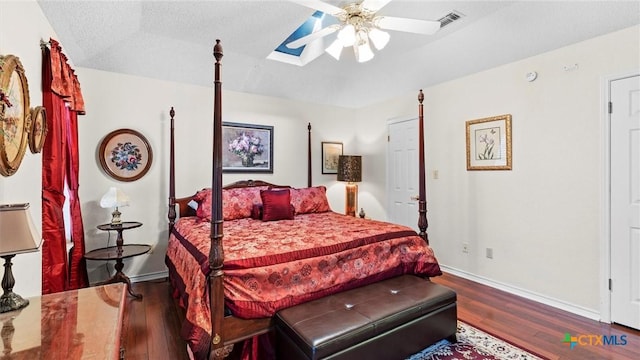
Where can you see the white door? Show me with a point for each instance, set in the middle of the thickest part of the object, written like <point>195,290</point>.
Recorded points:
<point>402,173</point>
<point>625,201</point>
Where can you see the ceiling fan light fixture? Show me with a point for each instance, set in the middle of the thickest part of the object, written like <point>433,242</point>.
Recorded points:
<point>335,49</point>
<point>347,35</point>
<point>363,51</point>
<point>379,38</point>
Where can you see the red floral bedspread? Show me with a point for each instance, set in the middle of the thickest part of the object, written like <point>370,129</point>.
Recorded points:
<point>269,266</point>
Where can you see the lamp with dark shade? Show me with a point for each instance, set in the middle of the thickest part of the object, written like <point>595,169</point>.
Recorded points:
<point>17,235</point>
<point>350,170</point>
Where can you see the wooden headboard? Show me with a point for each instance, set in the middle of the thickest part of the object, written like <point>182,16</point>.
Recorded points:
<point>183,203</point>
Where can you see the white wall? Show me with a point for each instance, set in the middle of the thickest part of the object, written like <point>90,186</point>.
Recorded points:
<point>22,26</point>
<point>115,101</point>
<point>543,218</point>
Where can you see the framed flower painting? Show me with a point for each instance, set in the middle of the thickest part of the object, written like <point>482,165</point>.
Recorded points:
<point>247,148</point>
<point>125,155</point>
<point>489,143</point>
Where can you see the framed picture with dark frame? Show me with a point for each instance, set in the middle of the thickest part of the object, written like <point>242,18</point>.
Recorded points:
<point>247,148</point>
<point>489,143</point>
<point>330,153</point>
<point>125,155</point>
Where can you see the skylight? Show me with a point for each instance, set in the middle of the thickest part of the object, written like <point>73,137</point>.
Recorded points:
<point>306,53</point>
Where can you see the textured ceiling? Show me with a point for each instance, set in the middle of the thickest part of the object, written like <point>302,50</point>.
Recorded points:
<point>173,40</point>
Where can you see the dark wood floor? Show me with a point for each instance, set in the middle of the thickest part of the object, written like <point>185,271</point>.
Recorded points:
<point>151,328</point>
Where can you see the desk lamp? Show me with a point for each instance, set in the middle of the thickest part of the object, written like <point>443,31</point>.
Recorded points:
<point>17,235</point>
<point>350,170</point>
<point>114,198</point>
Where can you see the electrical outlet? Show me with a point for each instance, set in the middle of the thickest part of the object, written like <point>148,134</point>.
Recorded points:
<point>465,248</point>
<point>489,253</point>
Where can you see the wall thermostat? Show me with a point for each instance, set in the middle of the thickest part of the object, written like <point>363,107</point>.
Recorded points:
<point>532,75</point>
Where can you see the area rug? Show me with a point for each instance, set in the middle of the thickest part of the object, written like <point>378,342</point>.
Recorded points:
<point>473,344</point>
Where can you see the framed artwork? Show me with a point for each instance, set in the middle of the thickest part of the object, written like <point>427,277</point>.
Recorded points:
<point>15,118</point>
<point>489,143</point>
<point>38,132</point>
<point>330,153</point>
<point>247,148</point>
<point>125,155</point>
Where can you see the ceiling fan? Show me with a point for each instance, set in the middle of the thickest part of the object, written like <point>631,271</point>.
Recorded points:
<point>359,25</point>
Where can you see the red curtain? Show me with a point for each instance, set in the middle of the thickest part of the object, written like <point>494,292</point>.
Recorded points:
<point>63,102</point>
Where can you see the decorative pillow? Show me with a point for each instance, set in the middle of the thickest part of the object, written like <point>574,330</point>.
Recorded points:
<point>236,203</point>
<point>310,200</point>
<point>256,212</point>
<point>203,198</point>
<point>276,205</point>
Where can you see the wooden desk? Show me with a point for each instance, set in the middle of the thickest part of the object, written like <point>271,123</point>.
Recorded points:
<point>77,324</point>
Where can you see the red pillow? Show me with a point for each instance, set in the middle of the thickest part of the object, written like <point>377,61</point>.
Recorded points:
<point>276,205</point>
<point>256,212</point>
<point>236,203</point>
<point>310,200</point>
<point>203,198</point>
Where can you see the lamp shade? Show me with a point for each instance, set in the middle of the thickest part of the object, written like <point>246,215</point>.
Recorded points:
<point>379,38</point>
<point>17,232</point>
<point>350,168</point>
<point>335,49</point>
<point>114,197</point>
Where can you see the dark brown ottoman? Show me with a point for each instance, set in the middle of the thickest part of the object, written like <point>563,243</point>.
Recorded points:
<point>390,319</point>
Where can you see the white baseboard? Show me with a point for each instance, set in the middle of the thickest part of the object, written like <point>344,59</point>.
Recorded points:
<point>546,300</point>
<point>139,278</point>
<point>152,276</point>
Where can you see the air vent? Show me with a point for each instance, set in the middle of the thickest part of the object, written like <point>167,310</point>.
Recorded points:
<point>449,18</point>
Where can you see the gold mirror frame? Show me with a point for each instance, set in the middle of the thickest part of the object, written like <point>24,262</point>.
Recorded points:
<point>15,118</point>
<point>39,129</point>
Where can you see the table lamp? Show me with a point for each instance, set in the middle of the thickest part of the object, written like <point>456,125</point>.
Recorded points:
<point>17,235</point>
<point>350,170</point>
<point>114,198</point>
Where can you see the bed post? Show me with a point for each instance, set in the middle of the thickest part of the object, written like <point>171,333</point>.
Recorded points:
<point>172,177</point>
<point>309,155</point>
<point>422,199</point>
<point>216,254</point>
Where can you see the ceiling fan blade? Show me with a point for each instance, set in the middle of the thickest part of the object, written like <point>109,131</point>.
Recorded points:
<point>426,27</point>
<point>313,36</point>
<point>374,5</point>
<point>320,5</point>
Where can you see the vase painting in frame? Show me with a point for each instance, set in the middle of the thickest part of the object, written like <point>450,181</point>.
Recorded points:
<point>247,148</point>
<point>489,143</point>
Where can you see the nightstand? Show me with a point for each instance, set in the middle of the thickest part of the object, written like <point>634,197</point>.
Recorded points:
<point>119,252</point>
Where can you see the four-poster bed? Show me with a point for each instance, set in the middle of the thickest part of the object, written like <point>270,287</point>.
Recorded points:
<point>231,291</point>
